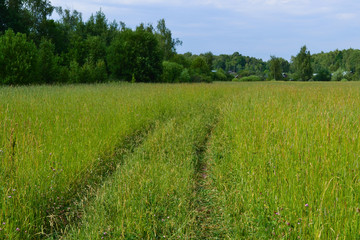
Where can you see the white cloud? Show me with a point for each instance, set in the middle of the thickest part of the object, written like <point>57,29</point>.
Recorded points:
<point>248,7</point>
<point>346,16</point>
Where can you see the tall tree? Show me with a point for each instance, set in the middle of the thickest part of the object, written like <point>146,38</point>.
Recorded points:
<point>13,15</point>
<point>302,65</point>
<point>275,68</point>
<point>209,58</point>
<point>18,58</point>
<point>135,55</point>
<point>167,43</point>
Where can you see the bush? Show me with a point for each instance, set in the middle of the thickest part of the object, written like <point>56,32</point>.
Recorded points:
<point>185,76</point>
<point>252,78</point>
<point>199,66</point>
<point>201,78</point>
<point>219,75</point>
<point>171,72</point>
<point>88,73</point>
<point>18,58</point>
<point>63,74</point>
<point>323,75</point>
<point>99,73</point>
<point>74,72</point>
<point>340,74</point>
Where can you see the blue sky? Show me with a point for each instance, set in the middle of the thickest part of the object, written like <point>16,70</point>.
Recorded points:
<point>257,28</point>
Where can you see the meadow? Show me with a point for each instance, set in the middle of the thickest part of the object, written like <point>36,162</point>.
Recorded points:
<point>270,160</point>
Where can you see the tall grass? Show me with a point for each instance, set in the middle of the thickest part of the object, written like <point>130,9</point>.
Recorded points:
<point>152,195</point>
<point>285,162</point>
<point>52,139</point>
<point>133,161</point>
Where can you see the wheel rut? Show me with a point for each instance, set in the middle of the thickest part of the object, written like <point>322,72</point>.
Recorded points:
<point>208,213</point>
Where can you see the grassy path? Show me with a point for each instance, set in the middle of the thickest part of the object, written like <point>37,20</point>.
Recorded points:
<point>208,212</point>
<point>152,195</point>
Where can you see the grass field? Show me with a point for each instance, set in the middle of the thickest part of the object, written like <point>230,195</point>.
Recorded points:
<point>188,161</point>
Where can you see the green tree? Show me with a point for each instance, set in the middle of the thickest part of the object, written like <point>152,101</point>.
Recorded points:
<point>185,76</point>
<point>97,25</point>
<point>135,53</point>
<point>18,58</point>
<point>47,62</point>
<point>96,48</point>
<point>171,72</point>
<point>323,74</point>
<point>302,65</point>
<point>209,58</point>
<point>200,66</point>
<point>275,68</point>
<point>167,43</point>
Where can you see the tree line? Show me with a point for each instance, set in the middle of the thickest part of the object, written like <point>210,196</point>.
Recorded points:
<point>37,49</point>
<point>338,65</point>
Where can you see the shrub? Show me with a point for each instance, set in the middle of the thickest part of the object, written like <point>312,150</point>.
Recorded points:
<point>201,78</point>
<point>323,75</point>
<point>100,73</point>
<point>171,72</point>
<point>340,74</point>
<point>63,74</point>
<point>219,75</point>
<point>199,66</point>
<point>252,78</point>
<point>86,73</point>
<point>74,72</point>
<point>185,76</point>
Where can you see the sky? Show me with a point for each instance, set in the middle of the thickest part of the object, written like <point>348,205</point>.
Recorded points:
<point>256,28</point>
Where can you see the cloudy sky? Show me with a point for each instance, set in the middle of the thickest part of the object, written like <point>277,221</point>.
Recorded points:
<point>257,28</point>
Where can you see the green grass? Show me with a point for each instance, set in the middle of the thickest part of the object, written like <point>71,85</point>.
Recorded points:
<point>52,140</point>
<point>152,195</point>
<point>185,161</point>
<point>285,162</point>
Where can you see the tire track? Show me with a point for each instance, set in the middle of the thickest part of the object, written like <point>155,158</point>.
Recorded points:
<point>208,213</point>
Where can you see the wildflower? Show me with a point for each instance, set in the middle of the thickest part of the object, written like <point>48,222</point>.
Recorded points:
<point>17,229</point>
<point>14,190</point>
<point>306,205</point>
<point>105,233</point>
<point>0,229</point>
<point>9,197</point>
<point>4,223</point>
<point>287,223</point>
<point>276,213</point>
